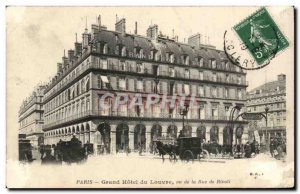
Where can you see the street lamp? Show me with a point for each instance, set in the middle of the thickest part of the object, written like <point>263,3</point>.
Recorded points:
<point>266,112</point>
<point>183,112</point>
<point>238,108</point>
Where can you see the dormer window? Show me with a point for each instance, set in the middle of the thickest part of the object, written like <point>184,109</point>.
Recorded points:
<point>185,59</point>
<point>141,53</point>
<point>213,63</point>
<point>105,49</point>
<point>172,58</point>
<point>117,51</point>
<point>123,54</point>
<point>200,61</point>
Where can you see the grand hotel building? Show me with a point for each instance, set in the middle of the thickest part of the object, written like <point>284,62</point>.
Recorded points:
<point>118,62</point>
<point>31,118</point>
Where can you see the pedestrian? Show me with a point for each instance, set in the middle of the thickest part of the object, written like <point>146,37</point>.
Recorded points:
<point>272,147</point>
<point>42,150</point>
<point>248,150</point>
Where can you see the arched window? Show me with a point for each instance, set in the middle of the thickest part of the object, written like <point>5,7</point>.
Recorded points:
<point>87,85</point>
<point>105,49</point>
<point>77,89</point>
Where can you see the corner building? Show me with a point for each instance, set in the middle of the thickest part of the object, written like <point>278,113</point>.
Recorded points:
<point>273,96</point>
<point>31,117</point>
<point>118,62</point>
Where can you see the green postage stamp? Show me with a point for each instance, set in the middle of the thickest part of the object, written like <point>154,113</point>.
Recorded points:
<point>261,36</point>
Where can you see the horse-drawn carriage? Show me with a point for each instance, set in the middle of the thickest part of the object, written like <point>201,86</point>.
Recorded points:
<point>72,151</point>
<point>187,148</point>
<point>25,150</point>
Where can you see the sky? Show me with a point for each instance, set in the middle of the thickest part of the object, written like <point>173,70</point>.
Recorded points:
<point>37,37</point>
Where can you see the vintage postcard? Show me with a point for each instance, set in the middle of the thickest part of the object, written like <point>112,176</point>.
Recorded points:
<point>150,97</point>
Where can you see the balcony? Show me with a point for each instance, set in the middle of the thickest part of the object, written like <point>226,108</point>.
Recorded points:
<point>115,67</point>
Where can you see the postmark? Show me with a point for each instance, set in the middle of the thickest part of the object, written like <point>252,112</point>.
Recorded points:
<point>255,41</point>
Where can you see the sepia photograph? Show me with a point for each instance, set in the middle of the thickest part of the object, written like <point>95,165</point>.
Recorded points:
<point>159,97</point>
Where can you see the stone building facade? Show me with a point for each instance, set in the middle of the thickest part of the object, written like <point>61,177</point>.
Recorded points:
<point>121,63</point>
<point>273,96</point>
<point>31,118</point>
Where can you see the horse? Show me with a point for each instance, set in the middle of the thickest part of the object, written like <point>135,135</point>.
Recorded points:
<point>166,149</point>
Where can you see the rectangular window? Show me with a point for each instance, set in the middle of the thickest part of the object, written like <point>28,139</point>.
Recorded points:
<point>201,90</point>
<point>103,63</point>
<point>186,89</point>
<point>122,84</point>
<point>214,77</point>
<point>140,68</point>
<point>140,87</point>
<point>187,74</point>
<point>213,63</point>
<point>201,62</point>
<point>226,92</point>
<point>171,72</point>
<point>200,75</point>
<point>214,92</point>
<point>99,81</point>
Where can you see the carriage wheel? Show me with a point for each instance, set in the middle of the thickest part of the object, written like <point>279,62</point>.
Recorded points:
<point>188,155</point>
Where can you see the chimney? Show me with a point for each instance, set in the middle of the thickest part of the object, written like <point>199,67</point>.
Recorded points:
<point>152,31</point>
<point>281,77</point>
<point>78,48</point>
<point>120,26</point>
<point>195,40</point>
<point>64,60</point>
<point>59,67</point>
<point>95,30</point>
<point>135,30</point>
<point>71,55</point>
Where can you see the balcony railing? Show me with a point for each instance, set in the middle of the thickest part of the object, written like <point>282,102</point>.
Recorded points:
<point>143,71</point>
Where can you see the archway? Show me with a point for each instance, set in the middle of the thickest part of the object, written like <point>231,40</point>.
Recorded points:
<point>239,133</point>
<point>122,137</point>
<point>201,132</point>
<point>187,131</point>
<point>156,132</point>
<point>214,134</point>
<point>139,136</point>
<point>172,131</point>
<point>227,140</point>
<point>83,134</point>
<point>104,141</point>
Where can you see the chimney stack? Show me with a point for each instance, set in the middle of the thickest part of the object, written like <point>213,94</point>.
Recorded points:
<point>71,55</point>
<point>59,67</point>
<point>64,59</point>
<point>120,26</point>
<point>95,30</point>
<point>152,31</point>
<point>135,30</point>
<point>195,40</point>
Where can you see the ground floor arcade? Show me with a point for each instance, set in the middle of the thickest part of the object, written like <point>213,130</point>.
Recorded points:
<point>119,136</point>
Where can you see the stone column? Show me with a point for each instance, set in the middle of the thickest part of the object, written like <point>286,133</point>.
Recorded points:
<point>131,137</point>
<point>113,142</point>
<point>208,133</point>
<point>148,138</point>
<point>221,136</point>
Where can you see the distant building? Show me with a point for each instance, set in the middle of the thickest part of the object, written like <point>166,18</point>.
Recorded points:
<point>115,61</point>
<point>273,96</point>
<point>31,117</point>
